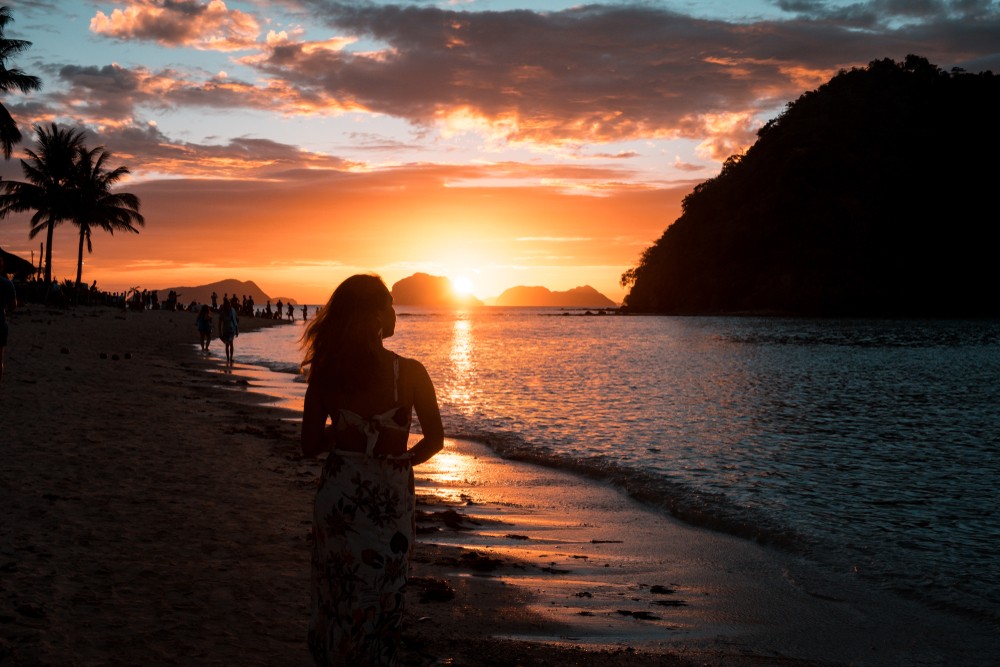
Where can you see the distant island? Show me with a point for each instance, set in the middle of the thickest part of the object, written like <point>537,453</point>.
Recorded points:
<point>578,297</point>
<point>241,288</point>
<point>870,196</point>
<point>422,289</point>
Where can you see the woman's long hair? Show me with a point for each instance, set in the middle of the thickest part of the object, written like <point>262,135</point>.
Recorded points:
<point>343,341</point>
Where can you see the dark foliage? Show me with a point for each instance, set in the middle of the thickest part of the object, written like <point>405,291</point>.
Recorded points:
<point>872,195</point>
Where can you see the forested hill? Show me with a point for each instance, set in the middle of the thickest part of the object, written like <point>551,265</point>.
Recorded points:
<point>874,195</point>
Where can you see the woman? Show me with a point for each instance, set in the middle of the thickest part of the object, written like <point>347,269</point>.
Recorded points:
<point>363,515</point>
<point>204,322</point>
<point>229,327</point>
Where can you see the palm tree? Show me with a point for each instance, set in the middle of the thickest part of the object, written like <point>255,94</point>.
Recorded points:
<point>98,207</point>
<point>50,174</point>
<point>11,79</point>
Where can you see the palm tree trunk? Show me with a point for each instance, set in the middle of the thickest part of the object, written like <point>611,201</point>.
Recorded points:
<point>48,256</point>
<point>79,261</point>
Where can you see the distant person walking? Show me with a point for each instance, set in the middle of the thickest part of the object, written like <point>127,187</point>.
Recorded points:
<point>8,299</point>
<point>204,323</point>
<point>229,327</point>
<point>215,301</point>
<point>291,311</point>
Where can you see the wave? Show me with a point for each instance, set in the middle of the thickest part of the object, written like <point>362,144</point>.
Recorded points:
<point>677,499</point>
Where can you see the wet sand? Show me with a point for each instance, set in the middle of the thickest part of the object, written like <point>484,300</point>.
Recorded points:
<point>157,512</point>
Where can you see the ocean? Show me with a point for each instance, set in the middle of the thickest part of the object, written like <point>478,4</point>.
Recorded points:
<point>866,446</point>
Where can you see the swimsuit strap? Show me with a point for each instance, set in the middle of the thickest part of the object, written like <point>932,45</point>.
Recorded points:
<point>372,427</point>
<point>395,379</point>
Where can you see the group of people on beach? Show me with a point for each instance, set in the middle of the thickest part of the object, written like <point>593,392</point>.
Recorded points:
<point>229,327</point>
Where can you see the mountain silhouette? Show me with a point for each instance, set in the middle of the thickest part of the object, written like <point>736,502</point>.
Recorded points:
<point>578,297</point>
<point>872,195</point>
<point>203,293</point>
<point>422,289</point>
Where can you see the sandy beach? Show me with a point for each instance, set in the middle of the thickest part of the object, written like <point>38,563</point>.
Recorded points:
<point>157,512</point>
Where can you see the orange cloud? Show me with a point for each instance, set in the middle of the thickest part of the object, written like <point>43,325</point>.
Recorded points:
<point>210,26</point>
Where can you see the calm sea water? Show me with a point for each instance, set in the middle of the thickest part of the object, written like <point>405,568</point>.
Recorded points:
<point>867,446</point>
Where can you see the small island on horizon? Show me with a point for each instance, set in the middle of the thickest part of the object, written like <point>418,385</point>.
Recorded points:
<point>422,289</point>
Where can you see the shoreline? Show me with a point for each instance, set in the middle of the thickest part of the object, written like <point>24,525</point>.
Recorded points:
<point>159,515</point>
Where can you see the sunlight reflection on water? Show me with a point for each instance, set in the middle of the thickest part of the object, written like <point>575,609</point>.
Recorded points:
<point>877,442</point>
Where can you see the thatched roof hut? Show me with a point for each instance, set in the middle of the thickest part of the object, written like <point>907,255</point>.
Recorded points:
<point>15,266</point>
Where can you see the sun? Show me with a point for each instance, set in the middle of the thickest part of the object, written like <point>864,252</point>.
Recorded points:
<point>461,286</point>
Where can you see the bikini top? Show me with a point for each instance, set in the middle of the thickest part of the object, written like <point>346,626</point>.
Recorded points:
<point>373,426</point>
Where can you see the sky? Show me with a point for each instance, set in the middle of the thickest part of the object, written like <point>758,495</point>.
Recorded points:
<point>494,142</point>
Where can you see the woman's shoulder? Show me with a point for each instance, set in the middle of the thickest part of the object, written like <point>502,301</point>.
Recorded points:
<point>410,368</point>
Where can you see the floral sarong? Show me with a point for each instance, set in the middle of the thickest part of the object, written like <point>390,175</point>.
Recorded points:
<point>363,533</point>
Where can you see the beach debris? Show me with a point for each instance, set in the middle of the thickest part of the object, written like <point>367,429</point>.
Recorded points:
<point>584,594</point>
<point>433,590</point>
<point>670,603</point>
<point>448,517</point>
<point>553,570</point>
<point>641,615</point>
<point>661,590</point>
<point>584,613</point>
<point>512,536</point>
<point>480,562</point>
<point>606,542</point>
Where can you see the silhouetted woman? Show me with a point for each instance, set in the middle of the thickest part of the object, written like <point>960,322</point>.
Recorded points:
<point>204,323</point>
<point>363,515</point>
<point>229,327</point>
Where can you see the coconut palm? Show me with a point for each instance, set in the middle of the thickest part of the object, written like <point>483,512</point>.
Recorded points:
<point>96,206</point>
<point>11,79</point>
<point>48,190</point>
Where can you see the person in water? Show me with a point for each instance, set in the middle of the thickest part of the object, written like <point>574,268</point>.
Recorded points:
<point>229,327</point>
<point>363,515</point>
<point>204,324</point>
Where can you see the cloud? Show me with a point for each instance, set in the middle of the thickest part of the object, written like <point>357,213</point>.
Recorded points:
<point>207,26</point>
<point>607,73</point>
<point>146,150</point>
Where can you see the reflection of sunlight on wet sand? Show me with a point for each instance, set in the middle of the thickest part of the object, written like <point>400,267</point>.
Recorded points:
<point>445,473</point>
<point>446,467</point>
<point>570,536</point>
<point>281,390</point>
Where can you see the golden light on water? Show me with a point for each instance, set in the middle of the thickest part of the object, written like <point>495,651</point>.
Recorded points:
<point>459,391</point>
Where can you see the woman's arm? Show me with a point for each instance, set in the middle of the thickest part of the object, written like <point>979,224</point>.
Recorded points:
<point>313,437</point>
<point>426,405</point>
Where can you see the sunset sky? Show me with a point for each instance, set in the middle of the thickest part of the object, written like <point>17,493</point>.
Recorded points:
<point>295,142</point>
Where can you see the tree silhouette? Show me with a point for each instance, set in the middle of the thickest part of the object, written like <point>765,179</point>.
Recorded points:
<point>867,196</point>
<point>50,173</point>
<point>11,79</point>
<point>96,206</point>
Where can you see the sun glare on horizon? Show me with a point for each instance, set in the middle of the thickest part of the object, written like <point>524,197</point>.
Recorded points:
<point>462,286</point>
